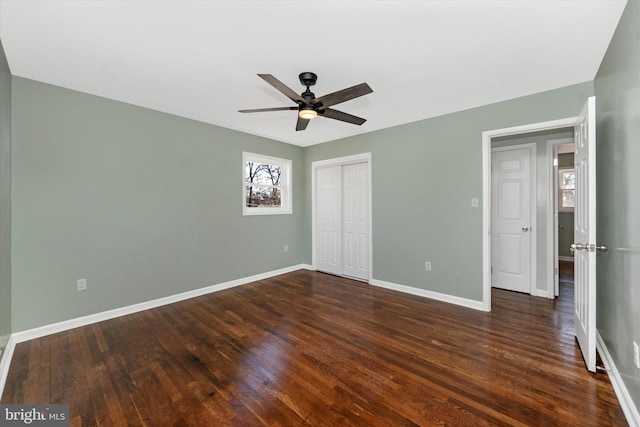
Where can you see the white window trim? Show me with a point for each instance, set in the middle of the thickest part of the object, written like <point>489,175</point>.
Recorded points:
<point>561,208</point>
<point>285,185</point>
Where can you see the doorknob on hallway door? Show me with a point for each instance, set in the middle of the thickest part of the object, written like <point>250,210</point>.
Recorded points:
<point>578,247</point>
<point>525,229</point>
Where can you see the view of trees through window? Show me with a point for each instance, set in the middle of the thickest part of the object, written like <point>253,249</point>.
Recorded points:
<point>263,185</point>
<point>567,188</point>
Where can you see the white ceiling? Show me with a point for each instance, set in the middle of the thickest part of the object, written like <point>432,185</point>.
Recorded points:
<point>199,59</point>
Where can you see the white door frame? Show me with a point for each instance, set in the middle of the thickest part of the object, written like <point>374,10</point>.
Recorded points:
<point>552,218</point>
<point>340,161</point>
<point>533,209</point>
<point>486,191</point>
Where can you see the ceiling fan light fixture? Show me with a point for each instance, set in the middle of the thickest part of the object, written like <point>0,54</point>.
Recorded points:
<point>308,113</point>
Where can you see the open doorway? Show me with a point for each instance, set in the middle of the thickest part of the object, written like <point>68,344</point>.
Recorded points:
<point>540,233</point>
<point>562,189</point>
<point>585,227</point>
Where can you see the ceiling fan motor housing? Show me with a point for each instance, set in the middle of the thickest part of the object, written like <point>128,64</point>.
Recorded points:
<point>308,97</point>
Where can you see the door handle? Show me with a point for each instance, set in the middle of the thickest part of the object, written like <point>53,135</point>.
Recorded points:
<point>592,248</point>
<point>525,229</point>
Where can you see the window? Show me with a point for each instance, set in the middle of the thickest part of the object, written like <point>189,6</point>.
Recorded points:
<point>566,190</point>
<point>266,185</point>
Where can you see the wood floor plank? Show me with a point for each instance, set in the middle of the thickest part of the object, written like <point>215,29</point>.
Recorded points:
<point>310,349</point>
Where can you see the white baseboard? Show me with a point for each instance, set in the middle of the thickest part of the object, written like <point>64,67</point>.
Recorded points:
<point>542,293</point>
<point>628,406</point>
<point>123,311</point>
<point>5,362</point>
<point>566,258</point>
<point>54,328</point>
<point>476,305</point>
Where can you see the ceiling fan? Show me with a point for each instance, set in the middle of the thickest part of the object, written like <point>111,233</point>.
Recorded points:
<point>309,107</point>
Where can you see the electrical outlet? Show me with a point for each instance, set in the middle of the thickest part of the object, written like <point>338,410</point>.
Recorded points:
<point>636,356</point>
<point>475,202</point>
<point>286,248</point>
<point>82,284</point>
<point>427,265</point>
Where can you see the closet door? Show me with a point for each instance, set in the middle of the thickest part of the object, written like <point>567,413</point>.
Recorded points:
<point>355,221</point>
<point>329,219</point>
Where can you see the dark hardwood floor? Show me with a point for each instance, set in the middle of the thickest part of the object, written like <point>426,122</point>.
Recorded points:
<point>307,348</point>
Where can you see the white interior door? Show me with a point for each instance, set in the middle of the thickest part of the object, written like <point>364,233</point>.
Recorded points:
<point>329,219</point>
<point>342,218</point>
<point>585,234</point>
<point>355,223</point>
<point>511,219</point>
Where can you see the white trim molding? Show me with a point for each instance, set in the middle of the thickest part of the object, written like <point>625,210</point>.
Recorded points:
<point>542,293</point>
<point>486,191</point>
<point>553,280</point>
<point>285,185</point>
<point>123,311</point>
<point>626,402</point>
<point>5,362</point>
<point>66,325</point>
<point>451,299</point>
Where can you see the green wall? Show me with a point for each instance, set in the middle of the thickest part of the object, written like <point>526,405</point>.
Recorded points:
<point>565,160</point>
<point>617,88</point>
<point>424,175</point>
<point>140,203</point>
<point>565,235</point>
<point>5,201</point>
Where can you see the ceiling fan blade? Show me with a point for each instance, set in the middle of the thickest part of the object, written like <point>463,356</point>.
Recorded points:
<point>286,90</point>
<point>302,123</point>
<point>345,117</point>
<point>260,110</point>
<point>343,95</point>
